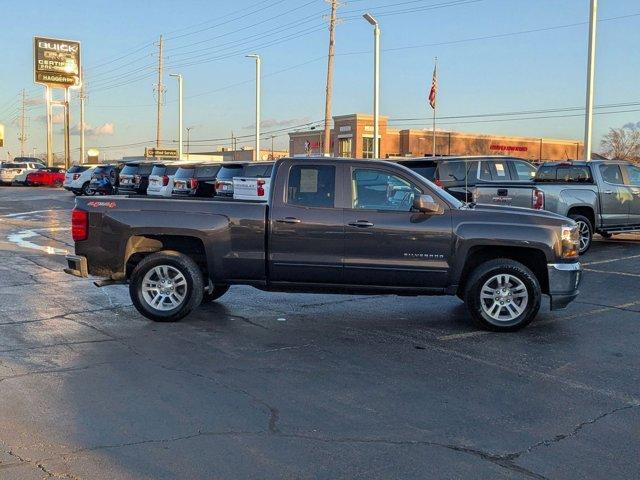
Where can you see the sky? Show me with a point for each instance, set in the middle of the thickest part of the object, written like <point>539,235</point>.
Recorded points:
<point>505,67</point>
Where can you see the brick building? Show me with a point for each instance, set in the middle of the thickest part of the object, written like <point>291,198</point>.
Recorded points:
<point>352,136</point>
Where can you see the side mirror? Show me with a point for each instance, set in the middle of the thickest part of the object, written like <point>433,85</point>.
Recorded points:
<point>426,204</point>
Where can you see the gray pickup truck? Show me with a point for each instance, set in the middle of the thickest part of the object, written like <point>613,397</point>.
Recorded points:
<point>331,226</point>
<point>601,196</point>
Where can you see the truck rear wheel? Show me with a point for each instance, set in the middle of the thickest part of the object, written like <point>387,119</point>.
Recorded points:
<point>165,286</point>
<point>503,295</point>
<point>586,232</point>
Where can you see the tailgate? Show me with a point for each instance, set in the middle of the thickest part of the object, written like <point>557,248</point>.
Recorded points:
<point>514,195</point>
<point>245,187</point>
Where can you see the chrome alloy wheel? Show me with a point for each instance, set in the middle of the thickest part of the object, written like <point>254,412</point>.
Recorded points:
<point>585,235</point>
<point>504,297</point>
<point>164,288</point>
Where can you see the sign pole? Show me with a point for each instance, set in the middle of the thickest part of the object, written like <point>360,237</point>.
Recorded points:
<point>49,127</point>
<point>67,141</point>
<point>591,62</point>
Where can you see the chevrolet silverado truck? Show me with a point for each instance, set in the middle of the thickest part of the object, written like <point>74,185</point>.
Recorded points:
<point>601,196</point>
<point>330,226</point>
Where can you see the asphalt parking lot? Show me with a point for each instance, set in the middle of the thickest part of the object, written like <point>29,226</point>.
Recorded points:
<point>266,385</point>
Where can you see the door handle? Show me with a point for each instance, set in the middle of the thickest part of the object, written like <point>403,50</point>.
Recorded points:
<point>361,224</point>
<point>608,192</point>
<point>289,220</point>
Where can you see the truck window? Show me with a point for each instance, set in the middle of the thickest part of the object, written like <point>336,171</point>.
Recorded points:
<point>634,175</point>
<point>427,168</point>
<point>379,190</point>
<point>524,171</point>
<point>611,174</point>
<point>451,171</point>
<point>494,170</point>
<point>312,186</point>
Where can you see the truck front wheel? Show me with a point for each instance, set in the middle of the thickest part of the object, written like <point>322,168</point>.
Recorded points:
<point>165,286</point>
<point>586,231</point>
<point>502,295</point>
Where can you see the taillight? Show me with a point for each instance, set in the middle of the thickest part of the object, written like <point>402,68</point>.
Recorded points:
<point>165,180</point>
<point>261,188</point>
<point>218,186</point>
<point>537,200</point>
<point>79,225</point>
<point>193,182</point>
<point>438,183</point>
<point>76,176</point>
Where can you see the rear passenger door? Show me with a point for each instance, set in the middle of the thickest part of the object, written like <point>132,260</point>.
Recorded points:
<point>306,241</point>
<point>633,180</point>
<point>615,196</point>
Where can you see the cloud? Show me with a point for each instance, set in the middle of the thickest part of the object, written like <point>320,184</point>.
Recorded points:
<point>106,129</point>
<point>632,126</point>
<point>57,118</point>
<point>273,122</point>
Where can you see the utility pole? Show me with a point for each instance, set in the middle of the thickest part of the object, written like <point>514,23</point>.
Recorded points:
<point>258,67</point>
<point>272,137</point>
<point>23,134</point>
<point>588,122</point>
<point>179,77</point>
<point>160,91</point>
<point>233,146</point>
<point>326,143</point>
<point>83,96</point>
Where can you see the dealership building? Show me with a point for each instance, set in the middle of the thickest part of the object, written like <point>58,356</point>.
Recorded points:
<point>352,136</point>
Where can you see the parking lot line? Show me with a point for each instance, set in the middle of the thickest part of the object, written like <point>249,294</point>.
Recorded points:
<point>612,273</point>
<point>599,262</point>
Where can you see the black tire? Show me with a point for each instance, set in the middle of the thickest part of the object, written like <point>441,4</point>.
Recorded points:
<point>213,292</point>
<point>57,184</point>
<point>586,232</point>
<point>606,235</point>
<point>191,290</point>
<point>86,190</point>
<point>484,275</point>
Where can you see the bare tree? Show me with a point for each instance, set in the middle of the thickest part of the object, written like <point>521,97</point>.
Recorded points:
<point>622,144</point>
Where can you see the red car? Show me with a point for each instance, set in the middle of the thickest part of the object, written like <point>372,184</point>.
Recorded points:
<point>52,176</point>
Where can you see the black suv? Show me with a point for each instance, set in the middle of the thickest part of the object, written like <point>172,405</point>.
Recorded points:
<point>224,178</point>
<point>104,180</point>
<point>457,175</point>
<point>134,178</point>
<point>196,180</point>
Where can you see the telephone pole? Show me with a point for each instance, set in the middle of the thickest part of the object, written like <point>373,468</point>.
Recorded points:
<point>326,144</point>
<point>83,96</point>
<point>160,91</point>
<point>23,133</point>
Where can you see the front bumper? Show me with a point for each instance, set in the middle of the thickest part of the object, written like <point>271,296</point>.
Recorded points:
<point>564,280</point>
<point>77,266</point>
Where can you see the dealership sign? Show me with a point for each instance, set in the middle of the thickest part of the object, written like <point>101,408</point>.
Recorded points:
<point>56,62</point>
<point>161,152</point>
<point>508,148</point>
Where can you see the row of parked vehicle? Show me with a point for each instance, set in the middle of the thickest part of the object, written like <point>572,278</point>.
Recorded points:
<point>32,172</point>
<point>244,181</point>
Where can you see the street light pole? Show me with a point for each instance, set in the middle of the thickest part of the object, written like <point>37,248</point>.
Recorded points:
<point>376,82</point>
<point>591,63</point>
<point>179,77</point>
<point>258,66</point>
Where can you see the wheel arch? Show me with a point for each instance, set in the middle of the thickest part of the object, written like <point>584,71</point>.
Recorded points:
<point>586,211</point>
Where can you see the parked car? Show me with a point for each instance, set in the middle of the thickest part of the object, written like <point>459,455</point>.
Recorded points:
<point>16,172</point>
<point>331,226</point>
<point>601,196</point>
<point>255,182</point>
<point>224,178</point>
<point>104,180</point>
<point>50,176</point>
<point>161,179</point>
<point>458,175</point>
<point>78,178</point>
<point>134,178</point>
<point>197,180</point>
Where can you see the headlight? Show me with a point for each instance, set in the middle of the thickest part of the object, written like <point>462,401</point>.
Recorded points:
<point>570,238</point>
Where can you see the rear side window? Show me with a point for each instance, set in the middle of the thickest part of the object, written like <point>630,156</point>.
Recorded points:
<point>185,173</point>
<point>129,170</point>
<point>524,171</point>
<point>12,165</point>
<point>227,172</point>
<point>77,169</point>
<point>564,173</point>
<point>145,169</point>
<point>426,169</point>
<point>611,174</point>
<point>451,171</point>
<point>494,171</point>
<point>257,171</point>
<point>312,186</point>
<point>207,171</point>
<point>633,173</point>
<point>158,170</point>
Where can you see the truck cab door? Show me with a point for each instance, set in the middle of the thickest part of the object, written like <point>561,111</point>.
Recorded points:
<point>615,196</point>
<point>387,243</point>
<point>306,239</point>
<point>633,180</point>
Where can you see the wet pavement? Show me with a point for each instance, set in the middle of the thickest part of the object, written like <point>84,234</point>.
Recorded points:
<point>266,385</point>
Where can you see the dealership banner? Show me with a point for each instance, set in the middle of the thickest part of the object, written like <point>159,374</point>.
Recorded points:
<point>56,62</point>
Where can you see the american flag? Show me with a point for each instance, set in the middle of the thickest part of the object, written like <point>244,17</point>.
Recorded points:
<point>434,87</point>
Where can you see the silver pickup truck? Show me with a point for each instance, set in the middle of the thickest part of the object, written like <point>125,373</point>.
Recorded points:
<point>602,196</point>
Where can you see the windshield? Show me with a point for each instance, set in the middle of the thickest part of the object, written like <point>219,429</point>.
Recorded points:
<point>258,171</point>
<point>227,172</point>
<point>184,173</point>
<point>129,170</point>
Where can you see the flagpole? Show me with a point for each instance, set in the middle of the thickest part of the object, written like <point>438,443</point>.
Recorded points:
<point>434,108</point>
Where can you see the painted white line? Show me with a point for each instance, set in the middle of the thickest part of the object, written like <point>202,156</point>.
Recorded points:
<point>599,262</point>
<point>22,237</point>
<point>612,273</point>
<point>20,214</point>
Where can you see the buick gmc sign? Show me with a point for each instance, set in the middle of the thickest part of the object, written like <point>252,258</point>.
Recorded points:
<point>56,62</point>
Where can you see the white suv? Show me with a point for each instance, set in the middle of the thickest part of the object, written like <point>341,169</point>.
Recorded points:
<point>16,172</point>
<point>77,179</point>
